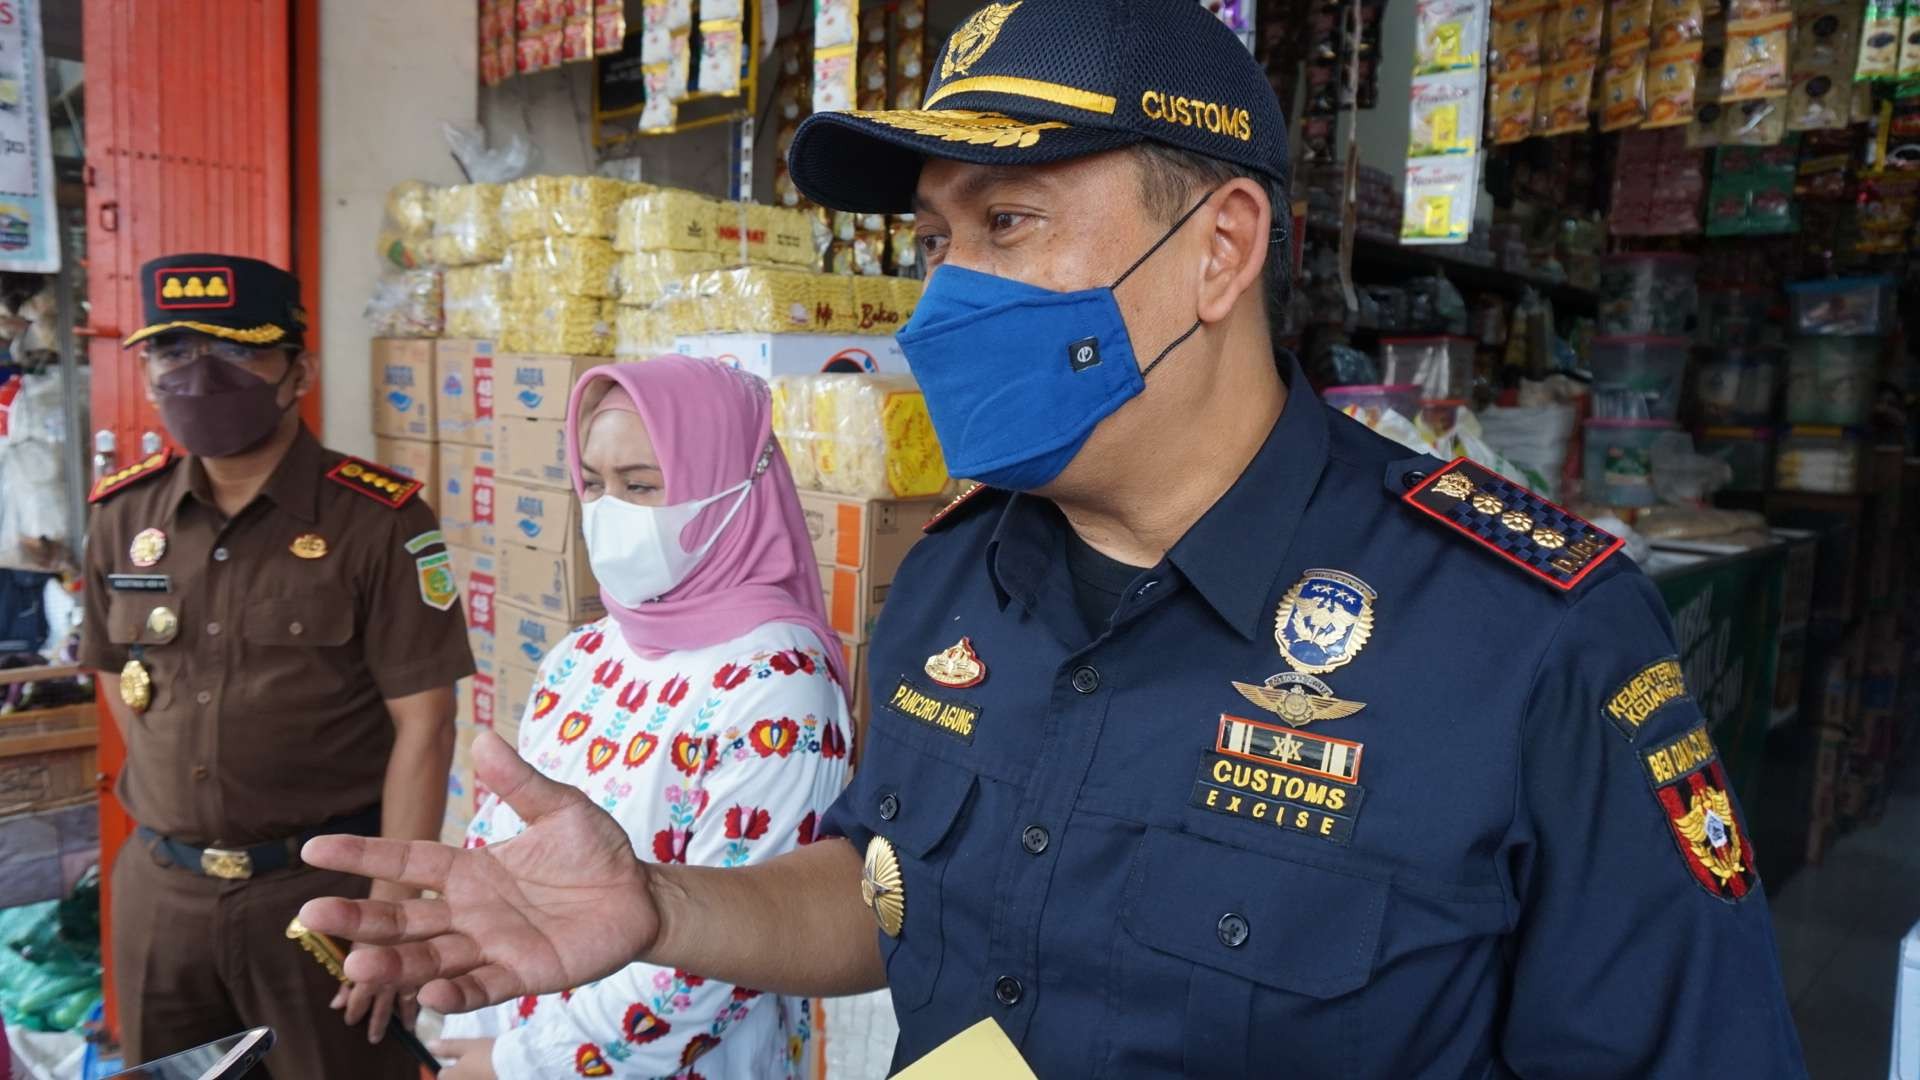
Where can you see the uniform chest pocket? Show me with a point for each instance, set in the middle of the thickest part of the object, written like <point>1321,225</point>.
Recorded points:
<point>131,619</point>
<point>309,620</point>
<point>1263,944</point>
<point>914,804</point>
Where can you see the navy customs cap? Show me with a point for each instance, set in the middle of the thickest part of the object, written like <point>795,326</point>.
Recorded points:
<point>224,296</point>
<point>1029,82</point>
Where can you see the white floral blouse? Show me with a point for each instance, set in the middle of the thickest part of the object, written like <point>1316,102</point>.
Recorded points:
<point>718,757</point>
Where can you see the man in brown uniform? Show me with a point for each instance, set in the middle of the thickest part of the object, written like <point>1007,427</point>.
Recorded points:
<point>278,633</point>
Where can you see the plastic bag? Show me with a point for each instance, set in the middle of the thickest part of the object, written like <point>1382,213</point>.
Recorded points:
<point>466,225</point>
<point>482,165</point>
<point>861,435</point>
<point>406,304</point>
<point>475,297</point>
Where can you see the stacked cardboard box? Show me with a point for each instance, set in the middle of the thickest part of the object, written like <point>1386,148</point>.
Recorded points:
<point>859,545</point>
<point>405,427</point>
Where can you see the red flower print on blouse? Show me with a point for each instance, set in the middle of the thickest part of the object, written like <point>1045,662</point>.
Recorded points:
<point>543,703</point>
<point>688,753</point>
<point>807,825</point>
<point>475,842</point>
<point>696,1046</point>
<point>633,696</point>
<point>590,642</point>
<point>670,845</point>
<point>747,823</point>
<point>574,726</point>
<point>689,978</point>
<point>742,993</point>
<point>600,754</point>
<point>641,1026</point>
<point>609,673</point>
<point>587,1061</point>
<point>640,748</point>
<point>791,662</point>
<point>673,692</point>
<point>730,676</point>
<point>527,1005</point>
<point>833,742</point>
<point>771,737</point>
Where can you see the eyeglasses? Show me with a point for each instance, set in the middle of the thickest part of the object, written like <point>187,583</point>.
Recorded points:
<point>176,354</point>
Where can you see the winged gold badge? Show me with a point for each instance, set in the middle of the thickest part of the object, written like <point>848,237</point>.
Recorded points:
<point>1709,829</point>
<point>1295,706</point>
<point>969,43</point>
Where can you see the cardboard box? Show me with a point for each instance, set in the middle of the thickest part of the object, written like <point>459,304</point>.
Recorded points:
<point>536,387</point>
<point>854,601</point>
<point>527,635</point>
<point>873,535</point>
<point>856,657</point>
<point>463,389</point>
<point>515,689</point>
<point>415,460</point>
<point>529,515</point>
<point>767,355</point>
<point>485,695</point>
<point>559,586</point>
<point>533,452</point>
<point>403,395</point>
<point>478,574</point>
<point>466,495</point>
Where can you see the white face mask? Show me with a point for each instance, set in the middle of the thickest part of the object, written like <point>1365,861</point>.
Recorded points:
<point>635,551</point>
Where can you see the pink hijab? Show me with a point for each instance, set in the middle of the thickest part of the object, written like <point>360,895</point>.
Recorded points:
<point>709,424</point>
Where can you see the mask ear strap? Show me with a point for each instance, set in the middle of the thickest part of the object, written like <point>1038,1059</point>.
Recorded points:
<point>1164,237</point>
<point>1168,351</point>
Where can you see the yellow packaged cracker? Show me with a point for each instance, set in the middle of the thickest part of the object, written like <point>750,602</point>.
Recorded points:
<point>535,206</point>
<point>1629,24</point>
<point>466,225</point>
<point>1756,63</point>
<point>1573,31</point>
<point>563,265</point>
<point>1676,22</point>
<point>862,435</point>
<point>790,237</point>
<point>1623,90</point>
<point>1565,97</point>
<point>670,219</point>
<point>1671,78</point>
<point>1513,101</point>
<point>475,300</point>
<point>561,325</point>
<point>1515,40</point>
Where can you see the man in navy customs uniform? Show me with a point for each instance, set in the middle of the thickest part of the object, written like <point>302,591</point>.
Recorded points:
<point>278,635</point>
<point>1215,737</point>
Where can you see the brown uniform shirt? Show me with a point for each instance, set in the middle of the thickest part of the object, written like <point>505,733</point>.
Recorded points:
<point>268,712</point>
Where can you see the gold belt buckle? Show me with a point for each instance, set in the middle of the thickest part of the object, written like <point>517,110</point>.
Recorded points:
<point>230,865</point>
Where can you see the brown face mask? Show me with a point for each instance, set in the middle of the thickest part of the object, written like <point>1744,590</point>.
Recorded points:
<point>218,409</point>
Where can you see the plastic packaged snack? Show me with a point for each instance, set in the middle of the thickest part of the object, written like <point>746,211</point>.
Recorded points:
<point>1513,102</point>
<point>1446,114</point>
<point>535,206</point>
<point>1879,41</point>
<point>1754,123</point>
<point>475,297</point>
<point>1623,90</point>
<point>656,36</point>
<point>1671,75</point>
<point>1439,198</point>
<point>680,14</point>
<point>1756,10</point>
<point>643,276</point>
<point>1826,39</point>
<point>609,26</point>
<point>861,435</point>
<point>835,23</point>
<point>1564,98</point>
<point>638,333</point>
<point>466,225</point>
<point>668,219</point>
<point>561,325</point>
<point>1629,24</point>
<point>1514,39</point>
<point>1909,66</point>
<point>1818,102</point>
<point>720,57</point>
<point>789,236</point>
<point>1574,31</point>
<point>1447,35</point>
<point>564,265</point>
<point>882,305</point>
<point>1676,22</point>
<point>1756,63</point>
<point>410,209</point>
<point>406,304</point>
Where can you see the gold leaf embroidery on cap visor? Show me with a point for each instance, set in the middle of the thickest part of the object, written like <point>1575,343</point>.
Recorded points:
<point>959,125</point>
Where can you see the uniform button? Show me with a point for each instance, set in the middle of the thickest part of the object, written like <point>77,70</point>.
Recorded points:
<point>213,629</point>
<point>1086,680</point>
<point>1007,990</point>
<point>1412,479</point>
<point>200,772</point>
<point>220,554</point>
<point>1144,586</point>
<point>889,807</point>
<point>204,697</point>
<point>296,629</point>
<point>1034,839</point>
<point>1232,930</point>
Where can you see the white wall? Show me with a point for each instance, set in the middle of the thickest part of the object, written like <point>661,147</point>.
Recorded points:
<point>390,72</point>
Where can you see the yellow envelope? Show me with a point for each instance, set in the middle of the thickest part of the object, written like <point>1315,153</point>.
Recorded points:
<point>980,1052</point>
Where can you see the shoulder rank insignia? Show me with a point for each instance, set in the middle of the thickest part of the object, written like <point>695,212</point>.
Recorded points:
<point>151,465</point>
<point>1545,540</point>
<point>379,484</point>
<point>973,494</point>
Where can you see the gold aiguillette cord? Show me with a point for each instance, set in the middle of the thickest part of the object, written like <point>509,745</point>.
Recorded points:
<point>328,955</point>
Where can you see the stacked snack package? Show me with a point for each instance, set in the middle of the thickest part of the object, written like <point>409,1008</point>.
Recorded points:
<point>537,206</point>
<point>1623,79</point>
<point>609,26</point>
<point>657,54</point>
<point>909,90</point>
<point>872,63</point>
<point>406,303</point>
<point>1443,143</point>
<point>835,75</point>
<point>406,300</point>
<point>539,35</point>
<point>1752,192</point>
<point>563,265</point>
<point>1703,129</point>
<point>1825,47</point>
<point>1657,185</point>
<point>723,45</point>
<point>1515,67</point>
<point>862,435</point>
<point>466,225</point>
<point>406,235</point>
<point>792,102</point>
<point>560,263</point>
<point>497,53</point>
<point>1570,47</point>
<point>475,299</point>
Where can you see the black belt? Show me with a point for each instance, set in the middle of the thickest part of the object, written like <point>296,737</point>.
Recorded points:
<point>239,864</point>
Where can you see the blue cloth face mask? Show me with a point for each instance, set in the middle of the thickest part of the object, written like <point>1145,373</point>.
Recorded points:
<point>1016,377</point>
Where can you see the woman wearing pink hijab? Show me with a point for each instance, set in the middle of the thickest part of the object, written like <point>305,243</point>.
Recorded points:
<point>707,711</point>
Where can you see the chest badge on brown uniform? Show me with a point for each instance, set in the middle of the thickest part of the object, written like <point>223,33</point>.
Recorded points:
<point>163,624</point>
<point>136,686</point>
<point>309,546</point>
<point>880,886</point>
<point>958,667</point>
<point>148,547</point>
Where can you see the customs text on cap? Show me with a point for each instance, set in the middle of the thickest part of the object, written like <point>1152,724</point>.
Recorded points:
<point>1028,82</point>
<point>224,296</point>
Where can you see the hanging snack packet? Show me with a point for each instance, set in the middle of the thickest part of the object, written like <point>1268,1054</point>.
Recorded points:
<point>1513,102</point>
<point>1574,31</point>
<point>1623,90</point>
<point>1757,10</point>
<point>720,57</point>
<point>1440,199</point>
<point>1629,24</point>
<point>835,24</point>
<point>1671,80</point>
<point>1756,63</point>
<point>1676,22</point>
<point>1879,41</point>
<point>656,38</point>
<point>1704,131</point>
<point>1564,97</point>
<point>1824,39</point>
<point>1516,40</point>
<point>1447,35</point>
<point>1446,114</point>
<point>1910,45</point>
<point>1761,122</point>
<point>1818,103</point>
